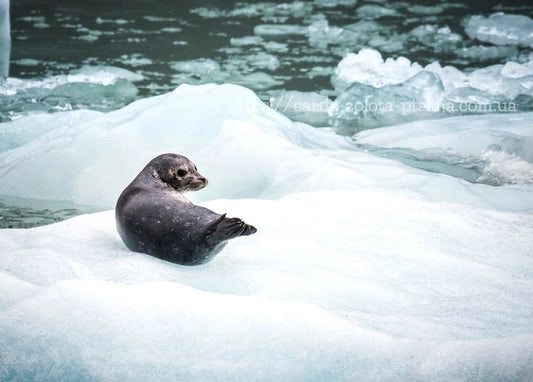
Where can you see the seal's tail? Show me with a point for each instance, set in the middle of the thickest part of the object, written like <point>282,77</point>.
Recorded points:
<point>229,228</point>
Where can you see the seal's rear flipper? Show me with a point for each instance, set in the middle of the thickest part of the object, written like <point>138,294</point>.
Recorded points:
<point>228,228</point>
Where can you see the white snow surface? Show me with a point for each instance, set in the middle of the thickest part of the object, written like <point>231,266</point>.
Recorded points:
<point>362,268</point>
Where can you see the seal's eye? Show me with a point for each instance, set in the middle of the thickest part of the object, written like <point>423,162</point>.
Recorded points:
<point>182,173</point>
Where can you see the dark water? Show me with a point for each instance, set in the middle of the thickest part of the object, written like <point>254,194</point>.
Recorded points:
<point>147,37</point>
<point>173,42</point>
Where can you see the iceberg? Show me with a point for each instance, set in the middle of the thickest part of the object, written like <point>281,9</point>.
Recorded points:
<point>368,107</point>
<point>440,92</point>
<point>363,267</point>
<point>197,121</point>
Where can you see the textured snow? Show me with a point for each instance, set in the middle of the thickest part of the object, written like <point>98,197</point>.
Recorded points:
<point>363,268</point>
<point>336,285</point>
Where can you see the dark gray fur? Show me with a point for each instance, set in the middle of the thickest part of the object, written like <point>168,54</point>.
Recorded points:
<point>154,217</point>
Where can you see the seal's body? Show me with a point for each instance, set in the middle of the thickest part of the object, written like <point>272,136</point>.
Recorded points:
<point>154,217</point>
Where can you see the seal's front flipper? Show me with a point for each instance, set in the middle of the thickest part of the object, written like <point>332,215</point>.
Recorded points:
<point>228,228</point>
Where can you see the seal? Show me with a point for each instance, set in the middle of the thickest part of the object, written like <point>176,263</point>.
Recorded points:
<point>154,217</point>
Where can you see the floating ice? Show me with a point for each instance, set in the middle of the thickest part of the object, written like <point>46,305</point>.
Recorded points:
<point>334,3</point>
<point>501,29</point>
<point>419,97</point>
<point>441,39</point>
<point>494,89</point>
<point>39,22</point>
<point>205,70</point>
<point>266,10</point>
<point>425,9</point>
<point>276,31</point>
<point>135,60</point>
<point>199,67</point>
<point>321,34</point>
<point>246,41</point>
<point>95,87</point>
<point>368,67</point>
<point>483,53</point>
<point>375,12</point>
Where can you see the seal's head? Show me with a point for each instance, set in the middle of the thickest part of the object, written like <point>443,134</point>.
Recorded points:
<point>177,172</point>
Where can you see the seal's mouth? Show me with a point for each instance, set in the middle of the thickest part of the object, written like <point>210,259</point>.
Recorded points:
<point>196,185</point>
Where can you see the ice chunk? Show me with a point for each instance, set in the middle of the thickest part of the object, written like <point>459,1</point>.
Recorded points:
<point>199,67</point>
<point>279,31</point>
<point>237,70</point>
<point>364,106</point>
<point>480,53</point>
<point>493,89</point>
<point>246,41</point>
<point>425,9</point>
<point>135,60</point>
<point>95,87</point>
<point>267,10</point>
<point>509,80</point>
<point>368,67</point>
<point>441,39</point>
<point>450,76</point>
<point>263,61</point>
<point>501,29</point>
<point>375,12</point>
<point>321,34</point>
<point>334,3</point>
